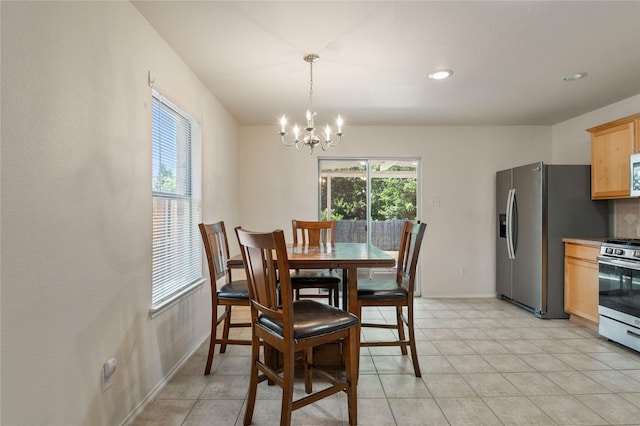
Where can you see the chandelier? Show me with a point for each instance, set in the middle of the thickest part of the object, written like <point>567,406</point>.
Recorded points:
<point>308,136</point>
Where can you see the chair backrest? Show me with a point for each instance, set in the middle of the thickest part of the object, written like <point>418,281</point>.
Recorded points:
<point>267,267</point>
<point>214,237</point>
<point>313,233</point>
<point>408,253</point>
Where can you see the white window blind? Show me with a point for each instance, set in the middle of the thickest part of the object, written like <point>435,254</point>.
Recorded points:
<point>177,201</point>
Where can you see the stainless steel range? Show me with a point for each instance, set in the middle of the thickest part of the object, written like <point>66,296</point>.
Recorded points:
<point>619,300</point>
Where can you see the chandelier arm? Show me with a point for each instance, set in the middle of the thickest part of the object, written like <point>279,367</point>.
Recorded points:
<point>284,140</point>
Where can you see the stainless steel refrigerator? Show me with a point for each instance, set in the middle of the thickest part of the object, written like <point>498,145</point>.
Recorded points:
<point>537,205</point>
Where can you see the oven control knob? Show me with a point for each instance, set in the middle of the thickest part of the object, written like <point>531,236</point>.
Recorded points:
<point>608,250</point>
<point>619,251</point>
<point>636,253</point>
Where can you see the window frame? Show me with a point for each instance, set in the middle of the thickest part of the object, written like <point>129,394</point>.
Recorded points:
<point>177,257</point>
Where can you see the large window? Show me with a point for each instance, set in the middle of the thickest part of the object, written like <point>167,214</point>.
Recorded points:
<point>369,198</point>
<point>177,202</point>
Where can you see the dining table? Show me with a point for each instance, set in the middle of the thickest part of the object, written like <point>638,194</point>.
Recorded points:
<point>347,257</point>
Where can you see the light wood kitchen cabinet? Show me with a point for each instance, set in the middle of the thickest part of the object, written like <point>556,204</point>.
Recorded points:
<point>611,145</point>
<point>581,281</point>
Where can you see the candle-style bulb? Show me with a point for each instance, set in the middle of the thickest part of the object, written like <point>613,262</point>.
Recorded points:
<point>283,122</point>
<point>339,123</point>
<point>327,132</point>
<point>309,118</point>
<point>295,131</point>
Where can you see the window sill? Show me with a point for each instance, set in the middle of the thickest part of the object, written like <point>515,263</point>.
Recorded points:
<point>161,307</point>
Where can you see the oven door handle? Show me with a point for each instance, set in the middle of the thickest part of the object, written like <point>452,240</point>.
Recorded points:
<point>632,334</point>
<point>618,262</point>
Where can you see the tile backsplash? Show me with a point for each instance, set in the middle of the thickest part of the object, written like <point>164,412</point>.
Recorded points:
<point>626,218</point>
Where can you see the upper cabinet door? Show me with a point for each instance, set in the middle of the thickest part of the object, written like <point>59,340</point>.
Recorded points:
<point>611,146</point>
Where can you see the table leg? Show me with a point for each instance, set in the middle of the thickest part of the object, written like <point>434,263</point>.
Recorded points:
<point>345,290</point>
<point>271,359</point>
<point>352,289</point>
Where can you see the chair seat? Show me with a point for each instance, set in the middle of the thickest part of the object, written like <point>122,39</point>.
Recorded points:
<point>314,276</point>
<point>381,290</point>
<point>312,319</point>
<point>236,290</point>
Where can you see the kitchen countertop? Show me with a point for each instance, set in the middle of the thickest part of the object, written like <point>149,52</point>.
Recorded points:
<point>595,242</point>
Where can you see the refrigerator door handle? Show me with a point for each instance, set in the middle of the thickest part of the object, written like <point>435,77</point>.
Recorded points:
<point>510,201</point>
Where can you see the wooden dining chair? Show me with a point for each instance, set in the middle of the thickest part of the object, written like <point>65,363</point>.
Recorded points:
<point>397,293</point>
<point>287,327</point>
<point>315,233</point>
<point>232,293</point>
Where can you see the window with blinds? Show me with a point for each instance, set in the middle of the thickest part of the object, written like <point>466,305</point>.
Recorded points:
<point>177,202</point>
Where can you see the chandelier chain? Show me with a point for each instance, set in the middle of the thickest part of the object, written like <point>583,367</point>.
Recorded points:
<point>311,89</point>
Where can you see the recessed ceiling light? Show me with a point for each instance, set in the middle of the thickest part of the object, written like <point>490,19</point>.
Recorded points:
<point>440,74</point>
<point>575,76</point>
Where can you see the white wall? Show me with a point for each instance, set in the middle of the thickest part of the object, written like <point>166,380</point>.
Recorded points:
<point>76,209</point>
<point>458,165</point>
<point>76,206</point>
<point>571,141</point>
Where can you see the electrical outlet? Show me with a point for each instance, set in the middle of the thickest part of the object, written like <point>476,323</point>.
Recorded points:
<point>464,271</point>
<point>435,201</point>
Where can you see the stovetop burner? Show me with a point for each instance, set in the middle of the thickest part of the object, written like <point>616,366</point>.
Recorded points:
<point>628,242</point>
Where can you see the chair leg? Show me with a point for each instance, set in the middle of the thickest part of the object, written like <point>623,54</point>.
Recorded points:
<point>225,329</point>
<point>400,323</point>
<point>253,381</point>
<point>308,374</point>
<point>336,296</point>
<point>351,367</point>
<point>287,387</point>
<point>212,341</point>
<point>412,342</point>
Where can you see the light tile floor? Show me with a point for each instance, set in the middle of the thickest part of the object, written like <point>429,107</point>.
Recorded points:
<point>484,362</point>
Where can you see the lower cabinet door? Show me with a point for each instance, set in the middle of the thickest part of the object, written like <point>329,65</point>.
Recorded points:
<point>581,288</point>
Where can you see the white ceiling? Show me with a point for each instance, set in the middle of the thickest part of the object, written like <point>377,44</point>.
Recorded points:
<point>508,57</point>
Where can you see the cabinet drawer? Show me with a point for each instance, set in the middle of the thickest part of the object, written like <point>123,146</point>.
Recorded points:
<point>582,252</point>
